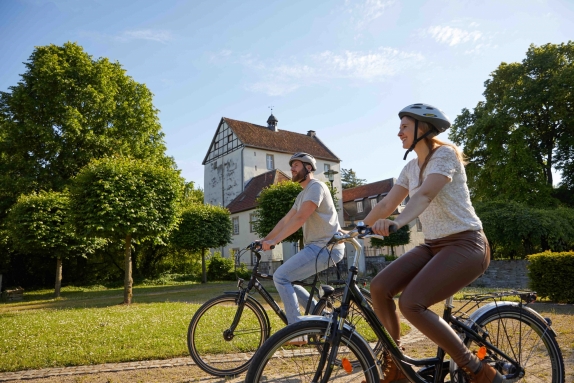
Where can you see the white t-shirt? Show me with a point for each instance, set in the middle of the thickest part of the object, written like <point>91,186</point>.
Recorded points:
<point>450,211</point>
<point>323,222</point>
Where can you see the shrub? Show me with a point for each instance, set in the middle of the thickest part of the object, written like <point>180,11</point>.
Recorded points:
<point>220,269</point>
<point>551,275</point>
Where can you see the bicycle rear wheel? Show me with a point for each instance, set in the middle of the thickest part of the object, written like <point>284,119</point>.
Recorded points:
<point>523,336</point>
<point>355,318</point>
<point>293,355</point>
<point>212,345</point>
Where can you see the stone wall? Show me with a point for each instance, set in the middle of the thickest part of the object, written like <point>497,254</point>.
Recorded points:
<point>504,274</point>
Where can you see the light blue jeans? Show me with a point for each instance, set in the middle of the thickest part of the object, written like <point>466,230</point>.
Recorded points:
<point>304,264</point>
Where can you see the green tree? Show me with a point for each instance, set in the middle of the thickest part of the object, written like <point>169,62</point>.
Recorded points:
<point>349,179</point>
<point>126,199</point>
<point>523,129</point>
<point>400,237</point>
<point>515,230</point>
<point>273,204</point>
<point>38,225</point>
<point>66,110</point>
<point>202,227</point>
<point>191,195</point>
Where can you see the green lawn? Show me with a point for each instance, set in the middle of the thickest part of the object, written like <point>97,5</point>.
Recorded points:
<point>90,326</point>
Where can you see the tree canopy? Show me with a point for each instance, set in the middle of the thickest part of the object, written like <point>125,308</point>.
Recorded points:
<point>273,204</point>
<point>203,227</point>
<point>400,237</point>
<point>126,199</point>
<point>67,109</point>
<point>523,129</point>
<point>349,179</point>
<point>38,224</point>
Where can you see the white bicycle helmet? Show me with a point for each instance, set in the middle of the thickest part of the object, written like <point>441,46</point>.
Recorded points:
<point>424,112</point>
<point>305,158</point>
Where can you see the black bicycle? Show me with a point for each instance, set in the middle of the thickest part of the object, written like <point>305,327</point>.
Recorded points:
<point>510,336</point>
<point>241,324</point>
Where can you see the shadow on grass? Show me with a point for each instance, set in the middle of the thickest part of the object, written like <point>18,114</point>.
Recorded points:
<point>77,297</point>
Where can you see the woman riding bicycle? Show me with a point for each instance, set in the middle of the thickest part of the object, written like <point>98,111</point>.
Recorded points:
<point>455,251</point>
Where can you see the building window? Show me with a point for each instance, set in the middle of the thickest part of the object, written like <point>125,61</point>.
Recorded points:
<point>235,221</point>
<point>252,219</point>
<point>373,203</point>
<point>419,225</point>
<point>235,252</point>
<point>359,206</point>
<point>229,138</point>
<point>270,162</point>
<point>326,167</point>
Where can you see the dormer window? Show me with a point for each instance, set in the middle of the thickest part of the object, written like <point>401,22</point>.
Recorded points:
<point>359,206</point>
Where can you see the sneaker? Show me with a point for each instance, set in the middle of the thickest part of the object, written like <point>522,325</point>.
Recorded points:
<point>298,341</point>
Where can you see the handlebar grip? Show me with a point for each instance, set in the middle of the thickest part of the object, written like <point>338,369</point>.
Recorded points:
<point>393,228</point>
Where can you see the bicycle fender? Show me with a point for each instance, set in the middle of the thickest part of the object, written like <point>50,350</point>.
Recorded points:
<point>328,320</point>
<point>256,302</point>
<point>493,306</point>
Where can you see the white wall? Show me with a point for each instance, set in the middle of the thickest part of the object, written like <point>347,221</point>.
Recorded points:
<point>222,179</point>
<point>245,237</point>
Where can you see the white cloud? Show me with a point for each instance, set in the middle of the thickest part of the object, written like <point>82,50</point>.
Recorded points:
<point>370,66</point>
<point>452,36</point>
<point>146,34</point>
<point>324,67</point>
<point>367,11</point>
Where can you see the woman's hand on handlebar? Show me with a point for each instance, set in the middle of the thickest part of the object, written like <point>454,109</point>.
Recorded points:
<point>384,227</point>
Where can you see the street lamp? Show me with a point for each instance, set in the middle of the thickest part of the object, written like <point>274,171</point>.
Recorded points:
<point>330,174</point>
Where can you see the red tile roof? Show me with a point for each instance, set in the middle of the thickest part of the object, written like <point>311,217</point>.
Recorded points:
<point>262,137</point>
<point>368,190</point>
<point>247,199</point>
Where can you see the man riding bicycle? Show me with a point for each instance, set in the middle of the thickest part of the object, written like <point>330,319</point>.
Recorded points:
<point>315,211</point>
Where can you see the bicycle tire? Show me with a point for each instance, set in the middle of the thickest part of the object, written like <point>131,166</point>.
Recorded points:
<point>524,336</point>
<point>277,361</point>
<point>206,335</point>
<point>355,317</point>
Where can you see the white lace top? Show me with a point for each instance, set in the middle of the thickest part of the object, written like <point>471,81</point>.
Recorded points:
<point>450,211</point>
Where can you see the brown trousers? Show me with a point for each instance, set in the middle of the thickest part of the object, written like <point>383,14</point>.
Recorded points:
<point>426,275</point>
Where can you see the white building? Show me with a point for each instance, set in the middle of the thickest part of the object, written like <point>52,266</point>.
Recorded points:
<point>243,158</point>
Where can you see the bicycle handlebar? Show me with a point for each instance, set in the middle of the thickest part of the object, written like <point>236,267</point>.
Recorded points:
<point>256,246</point>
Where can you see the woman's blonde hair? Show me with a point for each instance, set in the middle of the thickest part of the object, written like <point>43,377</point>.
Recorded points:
<point>433,144</point>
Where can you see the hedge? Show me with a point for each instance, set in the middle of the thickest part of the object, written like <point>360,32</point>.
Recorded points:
<point>552,275</point>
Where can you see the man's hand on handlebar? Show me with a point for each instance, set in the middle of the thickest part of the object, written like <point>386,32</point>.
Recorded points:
<point>267,245</point>
<point>384,227</point>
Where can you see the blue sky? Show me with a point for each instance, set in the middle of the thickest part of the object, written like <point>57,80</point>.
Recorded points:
<point>341,68</point>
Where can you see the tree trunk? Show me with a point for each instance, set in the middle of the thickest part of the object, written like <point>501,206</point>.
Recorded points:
<point>203,269</point>
<point>128,281</point>
<point>58,277</point>
<point>0,283</point>
<point>393,251</point>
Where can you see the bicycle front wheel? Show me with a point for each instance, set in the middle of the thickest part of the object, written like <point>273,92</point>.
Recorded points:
<point>525,337</point>
<point>214,346</point>
<point>355,317</point>
<point>294,353</point>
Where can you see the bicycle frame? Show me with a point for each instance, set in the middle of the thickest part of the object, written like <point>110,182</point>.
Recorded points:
<point>435,364</point>
<point>254,283</point>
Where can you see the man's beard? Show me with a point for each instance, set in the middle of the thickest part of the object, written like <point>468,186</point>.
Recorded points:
<point>300,176</point>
